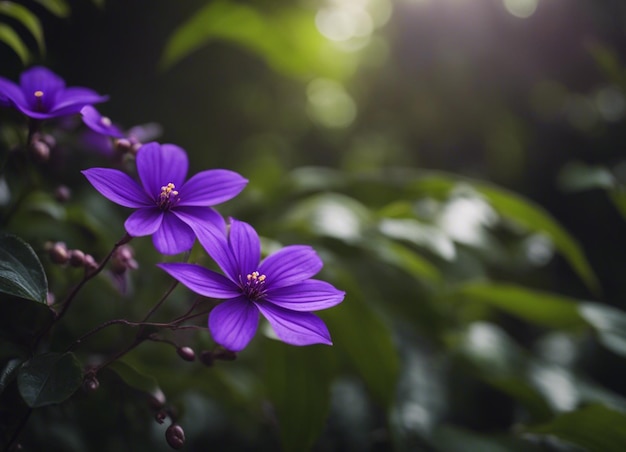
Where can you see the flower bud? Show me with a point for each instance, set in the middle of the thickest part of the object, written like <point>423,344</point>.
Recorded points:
<point>91,383</point>
<point>123,146</point>
<point>160,416</point>
<point>58,252</point>
<point>90,262</point>
<point>62,193</point>
<point>77,258</point>
<point>156,400</point>
<point>186,353</point>
<point>40,151</point>
<point>50,299</point>
<point>175,436</point>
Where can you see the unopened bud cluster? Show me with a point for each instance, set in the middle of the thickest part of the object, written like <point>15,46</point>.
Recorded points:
<point>40,146</point>
<point>60,254</point>
<point>123,259</point>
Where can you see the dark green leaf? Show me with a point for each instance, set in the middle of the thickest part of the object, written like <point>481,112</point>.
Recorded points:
<point>59,8</point>
<point>26,18</point>
<point>595,427</point>
<point>9,372</point>
<point>21,273</point>
<point>577,176</point>
<point>538,307</point>
<point>298,383</point>
<point>22,320</point>
<point>12,39</point>
<point>49,378</point>
<point>366,343</point>
<point>609,322</point>
<point>134,378</point>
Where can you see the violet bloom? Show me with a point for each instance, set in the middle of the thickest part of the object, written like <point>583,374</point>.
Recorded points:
<point>167,206</point>
<point>98,123</point>
<point>279,287</point>
<point>42,94</point>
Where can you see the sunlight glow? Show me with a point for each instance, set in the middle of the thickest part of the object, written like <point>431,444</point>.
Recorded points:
<point>346,20</point>
<point>521,8</point>
<point>330,104</point>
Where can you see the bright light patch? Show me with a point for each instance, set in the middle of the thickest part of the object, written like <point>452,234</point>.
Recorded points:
<point>341,23</point>
<point>329,104</point>
<point>521,8</point>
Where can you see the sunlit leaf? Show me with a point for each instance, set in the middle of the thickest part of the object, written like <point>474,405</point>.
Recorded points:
<point>59,8</point>
<point>593,427</point>
<point>298,383</point>
<point>577,176</point>
<point>609,322</point>
<point>521,211</point>
<point>427,236</point>
<point>49,378</point>
<point>27,19</point>
<point>405,259</point>
<point>12,39</point>
<point>287,40</point>
<point>534,306</point>
<point>330,215</point>
<point>21,273</point>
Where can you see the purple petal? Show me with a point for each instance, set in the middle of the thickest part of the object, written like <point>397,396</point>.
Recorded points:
<point>199,216</point>
<point>245,245</point>
<point>173,236</point>
<point>290,265</point>
<point>211,187</point>
<point>214,241</point>
<point>71,100</point>
<point>39,78</point>
<point>202,280</point>
<point>117,187</point>
<point>233,323</point>
<point>145,221</point>
<point>159,165</point>
<point>295,328</point>
<point>310,295</point>
<point>10,93</point>
<point>98,123</point>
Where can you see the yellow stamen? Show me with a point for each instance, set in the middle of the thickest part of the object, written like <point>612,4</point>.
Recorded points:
<point>105,121</point>
<point>38,93</point>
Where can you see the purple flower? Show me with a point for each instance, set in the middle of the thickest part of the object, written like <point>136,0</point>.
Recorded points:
<point>167,206</point>
<point>42,94</point>
<point>98,123</point>
<point>279,287</point>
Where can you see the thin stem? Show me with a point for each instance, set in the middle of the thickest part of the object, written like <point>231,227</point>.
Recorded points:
<point>88,276</point>
<point>161,300</point>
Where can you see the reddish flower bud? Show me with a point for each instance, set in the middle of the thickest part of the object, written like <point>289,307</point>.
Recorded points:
<point>40,151</point>
<point>91,383</point>
<point>206,358</point>
<point>77,258</point>
<point>90,262</point>
<point>62,193</point>
<point>58,252</point>
<point>223,354</point>
<point>175,436</point>
<point>160,416</point>
<point>186,353</point>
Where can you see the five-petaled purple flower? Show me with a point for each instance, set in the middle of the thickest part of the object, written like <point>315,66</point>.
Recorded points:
<point>167,206</point>
<point>42,94</point>
<point>279,287</point>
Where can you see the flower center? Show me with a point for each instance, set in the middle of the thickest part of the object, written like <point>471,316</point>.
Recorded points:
<point>39,100</point>
<point>168,196</point>
<point>106,122</point>
<point>254,285</point>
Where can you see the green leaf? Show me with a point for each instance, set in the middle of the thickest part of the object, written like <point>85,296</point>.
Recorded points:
<point>12,39</point>
<point>595,427</point>
<point>609,322</point>
<point>22,320</point>
<point>9,372</point>
<point>541,308</point>
<point>59,8</point>
<point>521,211</point>
<point>366,343</point>
<point>298,383</point>
<point>21,272</point>
<point>49,378</point>
<point>330,215</point>
<point>26,18</point>
<point>287,40</point>
<point>577,176</point>
<point>133,378</point>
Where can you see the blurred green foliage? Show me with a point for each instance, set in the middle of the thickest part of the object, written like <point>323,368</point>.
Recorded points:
<point>459,169</point>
